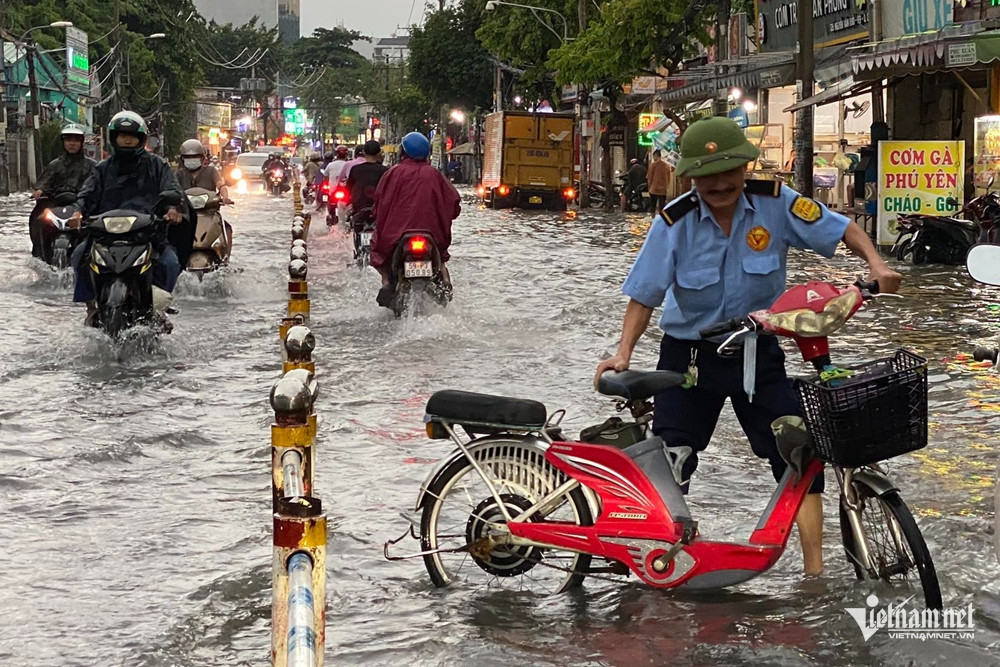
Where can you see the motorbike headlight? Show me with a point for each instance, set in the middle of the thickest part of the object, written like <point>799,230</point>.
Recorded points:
<point>278,173</point>
<point>809,324</point>
<point>48,215</point>
<point>236,173</point>
<point>97,254</point>
<point>141,259</point>
<point>119,225</point>
<point>198,201</point>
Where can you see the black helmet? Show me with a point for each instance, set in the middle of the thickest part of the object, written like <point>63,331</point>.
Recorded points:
<point>328,156</point>
<point>127,122</point>
<point>359,150</point>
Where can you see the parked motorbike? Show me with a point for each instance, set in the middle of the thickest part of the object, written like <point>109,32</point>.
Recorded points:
<point>213,237</point>
<point>274,180</point>
<point>985,210</point>
<point>309,193</point>
<point>363,226</point>
<point>57,239</point>
<point>122,248</point>
<point>417,271</point>
<point>928,239</point>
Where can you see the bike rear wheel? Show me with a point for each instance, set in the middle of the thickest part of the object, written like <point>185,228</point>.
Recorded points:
<point>461,513</point>
<point>897,547</point>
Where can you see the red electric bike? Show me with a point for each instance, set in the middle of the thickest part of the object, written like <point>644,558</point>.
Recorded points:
<point>517,507</point>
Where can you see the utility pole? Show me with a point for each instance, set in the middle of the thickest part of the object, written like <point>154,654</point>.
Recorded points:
<point>804,137</point>
<point>36,152</point>
<point>720,105</point>
<point>4,187</point>
<point>584,108</point>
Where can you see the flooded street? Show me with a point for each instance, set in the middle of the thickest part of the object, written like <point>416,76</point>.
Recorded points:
<point>135,508</point>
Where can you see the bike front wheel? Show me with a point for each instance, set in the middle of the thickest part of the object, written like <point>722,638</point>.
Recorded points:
<point>465,527</point>
<point>895,543</point>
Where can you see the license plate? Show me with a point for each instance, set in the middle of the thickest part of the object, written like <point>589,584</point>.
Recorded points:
<point>366,238</point>
<point>418,270</point>
<point>534,200</point>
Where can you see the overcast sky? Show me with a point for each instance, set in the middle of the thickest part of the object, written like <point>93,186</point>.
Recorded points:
<point>376,18</point>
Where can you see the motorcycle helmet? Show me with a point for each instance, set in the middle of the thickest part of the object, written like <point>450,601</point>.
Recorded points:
<point>73,130</point>
<point>342,152</point>
<point>416,146</point>
<point>127,122</point>
<point>633,161</point>
<point>359,150</point>
<point>328,157</point>
<point>192,154</point>
<point>315,157</point>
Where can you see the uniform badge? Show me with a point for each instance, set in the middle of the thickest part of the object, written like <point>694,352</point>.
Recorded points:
<point>806,210</point>
<point>758,238</point>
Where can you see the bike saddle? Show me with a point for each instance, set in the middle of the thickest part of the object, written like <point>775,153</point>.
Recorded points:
<point>465,406</point>
<point>638,385</point>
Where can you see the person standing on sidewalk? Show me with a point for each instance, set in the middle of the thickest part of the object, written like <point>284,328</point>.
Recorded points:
<point>657,180</point>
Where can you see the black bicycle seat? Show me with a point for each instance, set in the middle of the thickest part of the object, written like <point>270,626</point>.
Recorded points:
<point>638,385</point>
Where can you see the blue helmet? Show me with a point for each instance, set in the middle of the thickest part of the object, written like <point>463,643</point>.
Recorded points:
<point>416,146</point>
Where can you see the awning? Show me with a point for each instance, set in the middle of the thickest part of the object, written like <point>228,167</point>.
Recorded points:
<point>758,71</point>
<point>957,46</point>
<point>468,148</point>
<point>839,91</point>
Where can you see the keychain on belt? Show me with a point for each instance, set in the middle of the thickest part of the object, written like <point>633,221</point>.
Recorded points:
<point>750,363</point>
<point>692,370</point>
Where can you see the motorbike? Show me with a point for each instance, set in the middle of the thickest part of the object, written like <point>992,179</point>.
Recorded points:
<point>338,209</point>
<point>363,225</point>
<point>985,210</point>
<point>309,194</point>
<point>122,247</point>
<point>417,272</point>
<point>929,239</point>
<point>274,181</point>
<point>633,200</point>
<point>516,507</point>
<point>57,239</point>
<point>213,237</point>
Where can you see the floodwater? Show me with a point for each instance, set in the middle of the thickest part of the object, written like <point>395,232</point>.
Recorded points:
<point>134,483</point>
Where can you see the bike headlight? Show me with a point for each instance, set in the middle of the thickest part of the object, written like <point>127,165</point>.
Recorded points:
<point>142,259</point>
<point>236,173</point>
<point>119,225</point>
<point>809,324</point>
<point>97,254</point>
<point>198,201</point>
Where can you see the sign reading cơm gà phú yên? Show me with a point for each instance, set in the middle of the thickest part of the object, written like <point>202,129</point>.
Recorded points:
<point>920,178</point>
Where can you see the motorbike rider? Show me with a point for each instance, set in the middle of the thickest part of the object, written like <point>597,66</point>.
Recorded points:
<point>67,173</point>
<point>365,177</point>
<point>635,179</point>
<point>716,253</point>
<point>194,173</point>
<point>359,158</point>
<point>309,171</point>
<point>332,171</point>
<point>412,195</point>
<point>132,179</point>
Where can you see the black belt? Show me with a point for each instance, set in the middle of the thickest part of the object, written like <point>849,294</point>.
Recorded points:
<point>734,349</point>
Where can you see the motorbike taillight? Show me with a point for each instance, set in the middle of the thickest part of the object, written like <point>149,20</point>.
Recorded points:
<point>418,245</point>
<point>340,195</point>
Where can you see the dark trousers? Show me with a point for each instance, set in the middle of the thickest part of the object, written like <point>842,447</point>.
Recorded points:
<point>689,416</point>
<point>656,202</point>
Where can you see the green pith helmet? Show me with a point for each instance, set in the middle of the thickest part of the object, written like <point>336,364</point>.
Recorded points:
<point>712,146</point>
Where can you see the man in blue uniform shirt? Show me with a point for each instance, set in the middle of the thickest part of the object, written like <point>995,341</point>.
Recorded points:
<point>719,252</point>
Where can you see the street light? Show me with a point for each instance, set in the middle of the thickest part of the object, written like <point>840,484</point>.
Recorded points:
<point>458,116</point>
<point>54,24</point>
<point>492,5</point>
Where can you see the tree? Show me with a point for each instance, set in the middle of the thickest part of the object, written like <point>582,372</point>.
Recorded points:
<point>447,62</point>
<point>632,37</point>
<point>519,38</point>
<point>408,110</point>
<point>327,47</point>
<point>237,45</point>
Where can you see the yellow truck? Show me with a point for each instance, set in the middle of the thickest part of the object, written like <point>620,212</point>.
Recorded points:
<point>528,160</point>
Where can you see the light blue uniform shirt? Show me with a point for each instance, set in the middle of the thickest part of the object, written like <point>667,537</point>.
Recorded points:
<point>702,277</point>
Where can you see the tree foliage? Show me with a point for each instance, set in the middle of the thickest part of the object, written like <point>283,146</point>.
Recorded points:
<point>327,47</point>
<point>228,43</point>
<point>447,62</point>
<point>407,109</point>
<point>519,37</point>
<point>630,37</point>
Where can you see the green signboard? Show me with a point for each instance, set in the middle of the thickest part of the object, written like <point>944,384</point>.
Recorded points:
<point>295,121</point>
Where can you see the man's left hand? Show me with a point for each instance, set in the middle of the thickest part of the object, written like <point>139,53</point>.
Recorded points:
<point>174,216</point>
<point>888,280</point>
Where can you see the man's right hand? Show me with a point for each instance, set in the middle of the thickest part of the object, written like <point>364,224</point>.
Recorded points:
<point>615,363</point>
<point>37,194</point>
<point>75,220</point>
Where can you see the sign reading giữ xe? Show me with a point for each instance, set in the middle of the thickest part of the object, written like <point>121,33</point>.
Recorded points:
<point>834,22</point>
<point>918,177</point>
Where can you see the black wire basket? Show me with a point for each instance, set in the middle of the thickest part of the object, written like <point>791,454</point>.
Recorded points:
<point>877,413</point>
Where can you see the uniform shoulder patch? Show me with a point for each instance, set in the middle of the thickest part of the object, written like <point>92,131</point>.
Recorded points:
<point>765,188</point>
<point>679,209</point>
<point>806,210</point>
